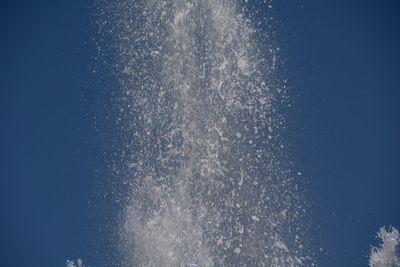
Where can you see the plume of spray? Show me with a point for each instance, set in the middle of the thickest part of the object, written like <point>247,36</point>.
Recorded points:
<point>79,263</point>
<point>387,254</point>
<point>201,158</point>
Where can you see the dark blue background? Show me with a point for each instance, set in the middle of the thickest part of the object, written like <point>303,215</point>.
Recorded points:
<point>343,67</point>
<point>343,64</point>
<point>46,139</point>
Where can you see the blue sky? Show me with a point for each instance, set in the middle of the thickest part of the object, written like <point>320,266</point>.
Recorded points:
<point>343,58</point>
<point>342,65</point>
<point>46,139</point>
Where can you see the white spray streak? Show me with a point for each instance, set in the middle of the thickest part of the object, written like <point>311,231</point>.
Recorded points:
<point>387,254</point>
<point>204,167</point>
<point>79,263</point>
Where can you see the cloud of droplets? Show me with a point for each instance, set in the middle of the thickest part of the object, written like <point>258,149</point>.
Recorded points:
<point>201,158</point>
<point>79,263</point>
<point>387,254</point>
